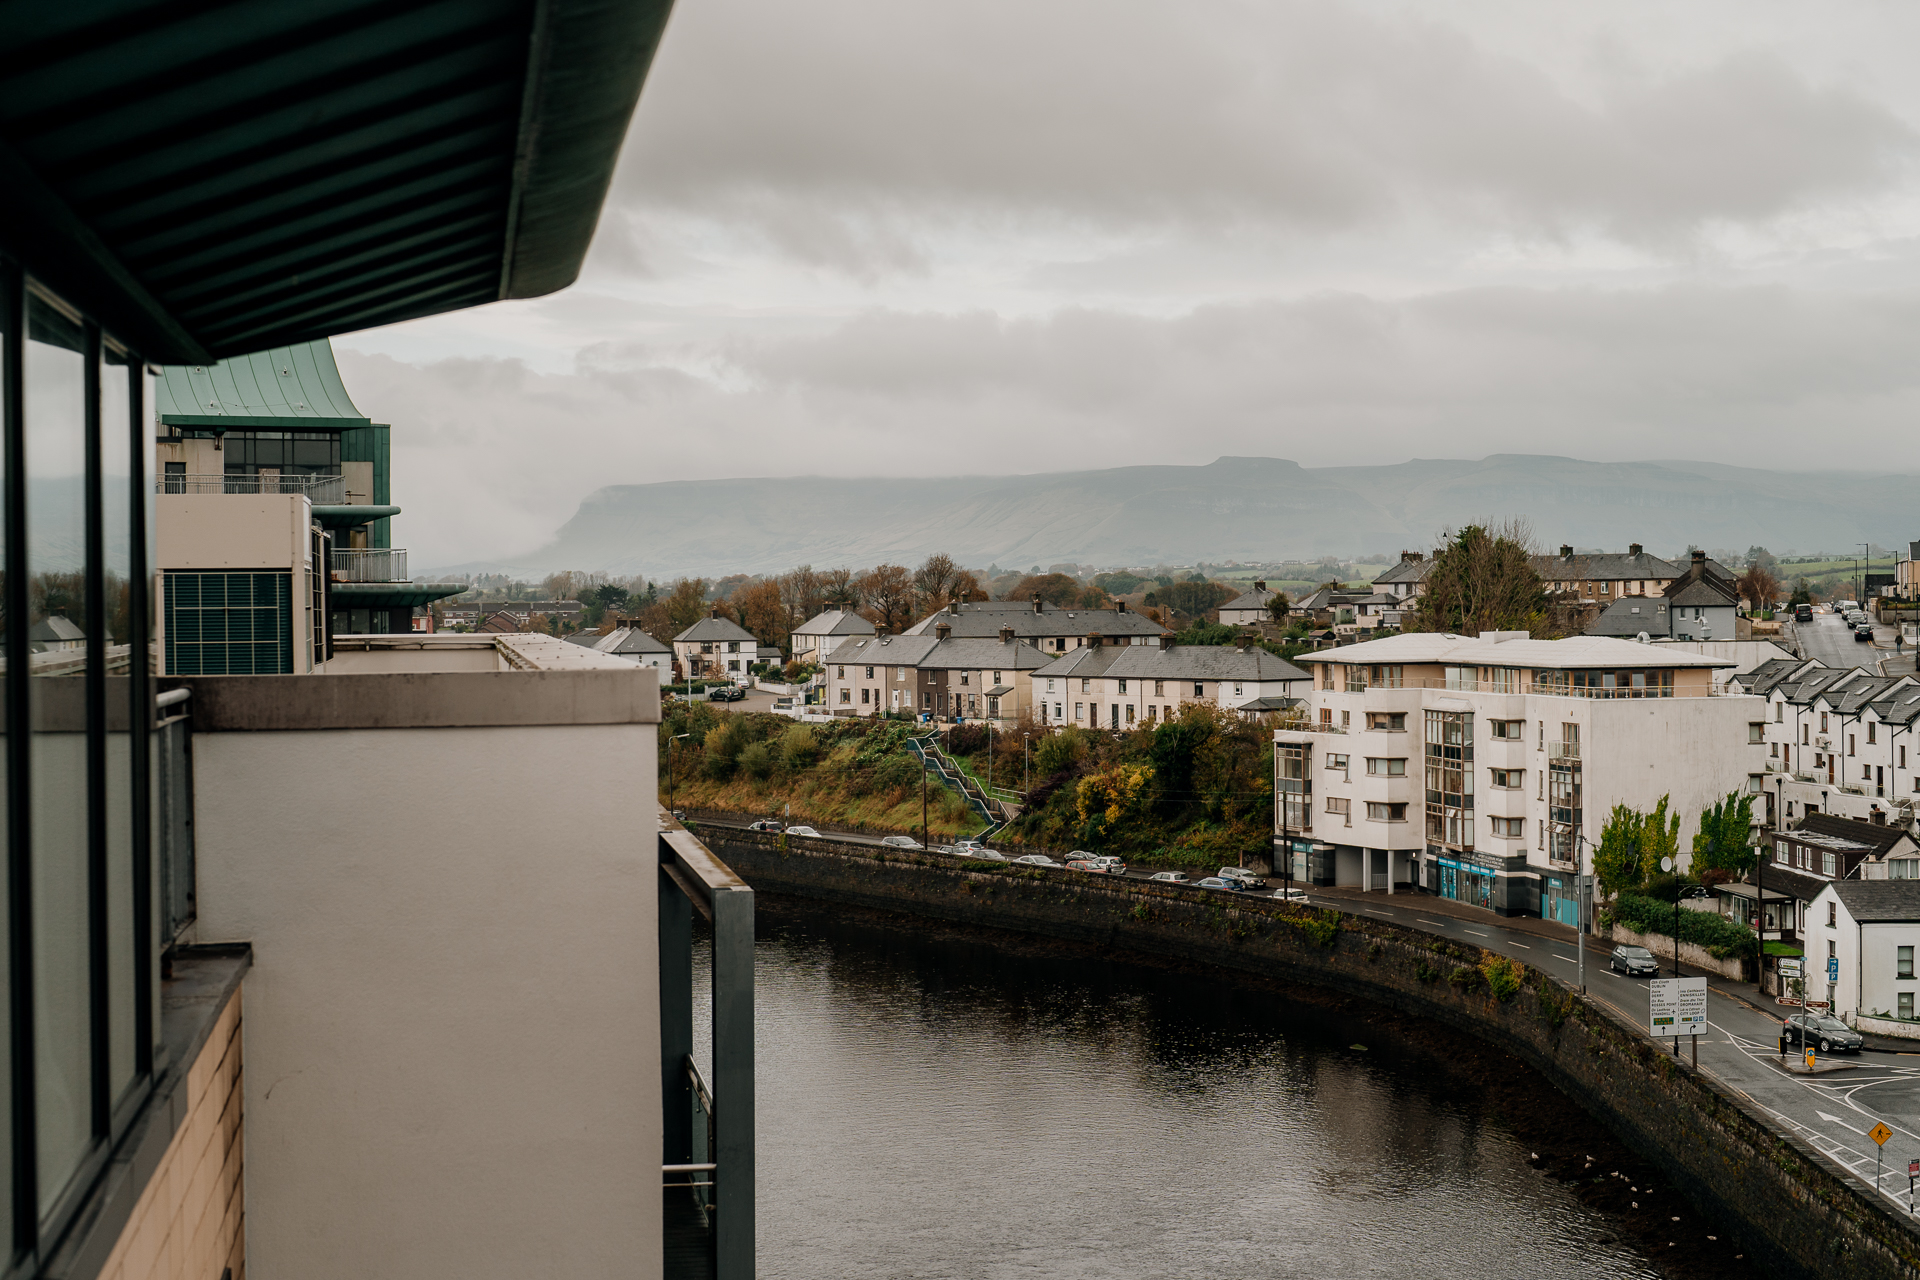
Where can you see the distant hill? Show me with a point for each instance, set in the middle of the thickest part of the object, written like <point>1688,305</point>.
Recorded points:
<point>1252,509</point>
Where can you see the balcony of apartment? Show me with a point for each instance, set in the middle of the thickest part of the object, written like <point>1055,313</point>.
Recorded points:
<point>321,490</point>
<point>370,564</point>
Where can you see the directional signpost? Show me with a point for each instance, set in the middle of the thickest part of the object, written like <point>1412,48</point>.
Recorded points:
<point>1678,1007</point>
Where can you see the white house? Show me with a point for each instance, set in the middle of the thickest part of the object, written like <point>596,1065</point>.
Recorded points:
<point>1100,686</point>
<point>1475,768</point>
<point>636,646</point>
<point>821,634</point>
<point>1872,928</point>
<point>1249,610</point>
<point>715,647</point>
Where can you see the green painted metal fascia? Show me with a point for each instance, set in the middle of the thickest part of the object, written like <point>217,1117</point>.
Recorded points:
<point>381,535</point>
<point>347,517</point>
<point>588,61</point>
<point>389,594</point>
<point>259,422</point>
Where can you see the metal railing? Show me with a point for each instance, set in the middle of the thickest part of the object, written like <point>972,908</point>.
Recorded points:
<point>1309,727</point>
<point>320,490</point>
<point>1563,751</point>
<point>1543,689</point>
<point>173,769</point>
<point>370,564</point>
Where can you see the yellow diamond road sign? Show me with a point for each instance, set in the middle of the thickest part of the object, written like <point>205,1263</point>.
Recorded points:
<point>1880,1133</point>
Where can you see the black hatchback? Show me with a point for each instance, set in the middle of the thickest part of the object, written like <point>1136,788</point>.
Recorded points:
<point>1828,1035</point>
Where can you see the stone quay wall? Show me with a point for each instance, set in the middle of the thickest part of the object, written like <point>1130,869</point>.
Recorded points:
<point>1796,1212</point>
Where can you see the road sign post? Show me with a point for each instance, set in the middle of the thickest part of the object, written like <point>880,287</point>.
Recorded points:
<point>1678,1007</point>
<point>1879,1133</point>
<point>1913,1172</point>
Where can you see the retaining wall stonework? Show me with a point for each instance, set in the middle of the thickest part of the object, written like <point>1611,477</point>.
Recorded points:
<point>1690,952</point>
<point>1797,1214</point>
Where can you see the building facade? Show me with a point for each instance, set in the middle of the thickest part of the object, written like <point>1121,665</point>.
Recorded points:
<point>1118,687</point>
<point>716,648</point>
<point>1481,769</point>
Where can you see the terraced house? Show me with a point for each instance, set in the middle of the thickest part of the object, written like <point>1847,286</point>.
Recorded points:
<point>264,1015</point>
<point>1839,741</point>
<point>1042,625</point>
<point>1481,769</point>
<point>1099,686</point>
<point>942,675</point>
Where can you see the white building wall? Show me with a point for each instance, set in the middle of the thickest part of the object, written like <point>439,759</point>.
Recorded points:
<point>451,1042</point>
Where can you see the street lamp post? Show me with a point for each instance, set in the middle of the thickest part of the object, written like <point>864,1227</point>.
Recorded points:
<point>1580,910</point>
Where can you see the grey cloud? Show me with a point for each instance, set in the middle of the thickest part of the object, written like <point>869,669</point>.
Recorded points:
<point>841,130</point>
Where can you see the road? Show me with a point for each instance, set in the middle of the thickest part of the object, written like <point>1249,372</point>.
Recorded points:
<point>1828,640</point>
<point>1832,1112</point>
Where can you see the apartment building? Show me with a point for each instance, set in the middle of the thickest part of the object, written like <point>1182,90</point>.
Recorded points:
<point>1046,627</point>
<point>243,445</point>
<point>265,1017</point>
<point>716,647</point>
<point>944,676</point>
<point>1480,769</point>
<point>1839,741</point>
<point>1097,686</point>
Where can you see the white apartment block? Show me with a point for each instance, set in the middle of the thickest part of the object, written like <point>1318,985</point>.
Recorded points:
<point>1481,769</point>
<point>1838,741</point>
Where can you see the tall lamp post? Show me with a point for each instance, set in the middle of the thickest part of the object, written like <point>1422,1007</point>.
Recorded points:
<point>1580,909</point>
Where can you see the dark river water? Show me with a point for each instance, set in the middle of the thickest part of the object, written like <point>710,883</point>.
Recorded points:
<point>946,1107</point>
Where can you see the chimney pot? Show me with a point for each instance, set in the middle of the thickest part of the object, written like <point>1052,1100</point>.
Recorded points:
<point>942,630</point>
<point>1699,557</point>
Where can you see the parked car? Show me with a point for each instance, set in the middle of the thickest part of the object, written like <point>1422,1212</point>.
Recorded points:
<point>726,693</point>
<point>1107,864</point>
<point>1829,1035</point>
<point>1635,962</point>
<point>1035,860</point>
<point>968,842</point>
<point>803,831</point>
<point>988,855</point>
<point>1803,613</point>
<point>1081,864</point>
<point>1863,632</point>
<point>1218,882</point>
<point>763,824</point>
<point>902,842</point>
<point>1290,895</point>
<point>1244,876</point>
<point>1169,877</point>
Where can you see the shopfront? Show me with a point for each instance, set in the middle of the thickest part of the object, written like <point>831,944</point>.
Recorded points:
<point>1464,881</point>
<point>1559,899</point>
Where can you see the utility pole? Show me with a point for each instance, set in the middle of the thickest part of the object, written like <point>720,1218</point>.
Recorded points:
<point>1580,911</point>
<point>926,832</point>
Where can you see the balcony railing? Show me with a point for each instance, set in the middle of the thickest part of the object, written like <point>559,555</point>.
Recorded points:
<point>320,490</point>
<point>371,564</point>
<point>1563,751</point>
<point>1539,688</point>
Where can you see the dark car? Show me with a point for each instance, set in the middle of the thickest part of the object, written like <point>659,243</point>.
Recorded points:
<point>726,693</point>
<point>764,824</point>
<point>1829,1035</point>
<point>1635,962</point>
<point>1803,613</point>
<point>1863,632</point>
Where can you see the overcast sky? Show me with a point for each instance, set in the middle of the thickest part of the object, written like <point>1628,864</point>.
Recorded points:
<point>867,237</point>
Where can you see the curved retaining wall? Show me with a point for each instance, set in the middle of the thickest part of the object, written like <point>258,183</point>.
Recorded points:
<point>1795,1211</point>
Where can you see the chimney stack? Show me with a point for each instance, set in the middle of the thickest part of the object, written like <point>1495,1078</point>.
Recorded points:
<point>715,613</point>
<point>1166,640</point>
<point>1120,606</point>
<point>1260,586</point>
<point>1698,568</point>
<point>1244,641</point>
<point>942,630</point>
<point>1566,551</point>
<point>1411,557</point>
<point>1006,635</point>
<point>1093,639</point>
<point>1039,605</point>
<point>1633,548</point>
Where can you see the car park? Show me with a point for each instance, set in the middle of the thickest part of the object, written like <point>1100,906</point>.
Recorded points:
<point>1827,1034</point>
<point>764,824</point>
<point>1244,876</point>
<point>901,842</point>
<point>1169,877</point>
<point>1635,962</point>
<point>1035,860</point>
<point>803,831</point>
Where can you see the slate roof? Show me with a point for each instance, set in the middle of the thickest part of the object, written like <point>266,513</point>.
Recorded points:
<point>1605,566</point>
<point>710,629</point>
<point>958,653</point>
<point>1880,901</point>
<point>1177,662</point>
<point>1766,677</point>
<point>1778,879</point>
<point>629,642</point>
<point>835,622</point>
<point>983,618</point>
<point>1406,571</point>
<point>55,628</point>
<point>1704,592</point>
<point>1628,616</point>
<point>1872,834</point>
<point>1255,599</point>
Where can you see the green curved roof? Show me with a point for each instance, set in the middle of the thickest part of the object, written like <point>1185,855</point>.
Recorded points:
<point>288,387</point>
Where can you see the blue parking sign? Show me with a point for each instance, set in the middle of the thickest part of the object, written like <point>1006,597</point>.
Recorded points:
<point>1833,968</point>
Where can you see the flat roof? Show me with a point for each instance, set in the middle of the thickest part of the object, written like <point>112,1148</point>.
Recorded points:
<point>1550,655</point>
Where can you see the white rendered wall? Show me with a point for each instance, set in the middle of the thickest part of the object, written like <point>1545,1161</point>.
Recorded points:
<point>452,1040</point>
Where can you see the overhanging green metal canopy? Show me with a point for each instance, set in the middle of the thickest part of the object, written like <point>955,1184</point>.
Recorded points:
<point>214,177</point>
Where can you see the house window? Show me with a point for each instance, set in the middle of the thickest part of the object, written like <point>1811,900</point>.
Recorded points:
<point>1756,782</point>
<point>1346,720</point>
<point>733,646</point>
<point>1342,806</point>
<point>1833,919</point>
<point>1779,712</point>
<point>846,695</point>
<point>869,673</point>
<point>1757,731</point>
<point>733,664</point>
<point>1903,757</point>
<point>1079,711</point>
<point>996,677</point>
<point>1129,713</point>
<point>1827,864</point>
<point>1823,722</point>
<point>1199,689</point>
<point>1387,766</point>
<point>1086,686</point>
<point>1123,686</point>
<point>1510,828</point>
<point>1057,712</point>
<point>1509,779</point>
<point>1904,959</point>
<point>863,696</point>
<point>1050,688</point>
<point>1386,812</point>
<point>1803,735</point>
<point>1158,690</point>
<point>1391,721</point>
<point>840,673</point>
<point>1906,1005</point>
<point>1872,735</point>
<point>966,677</point>
<point>1509,729</point>
<point>1236,689</point>
<point>1152,713</point>
<point>1849,744</point>
<point>1337,762</point>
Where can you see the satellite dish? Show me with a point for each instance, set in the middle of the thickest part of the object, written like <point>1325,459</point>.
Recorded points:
<point>1644,639</point>
<point>1666,864</point>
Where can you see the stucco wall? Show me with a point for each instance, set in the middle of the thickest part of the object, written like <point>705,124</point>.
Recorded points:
<point>448,1036</point>
<point>1794,1210</point>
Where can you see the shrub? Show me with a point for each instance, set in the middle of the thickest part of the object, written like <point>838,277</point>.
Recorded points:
<point>896,773</point>
<point>1503,977</point>
<point>1059,752</point>
<point>799,748</point>
<point>1465,978</point>
<point>1719,936</point>
<point>756,761</point>
<point>1425,972</point>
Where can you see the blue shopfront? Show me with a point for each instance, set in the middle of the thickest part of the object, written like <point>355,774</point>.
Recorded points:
<point>1559,899</point>
<point>1464,881</point>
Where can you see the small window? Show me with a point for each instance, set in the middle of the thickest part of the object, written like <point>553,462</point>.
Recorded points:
<point>869,673</point>
<point>1779,713</point>
<point>1079,711</point>
<point>1129,713</point>
<point>1337,762</point>
<point>1833,918</point>
<point>863,696</point>
<point>1823,722</point>
<point>1387,766</point>
<point>1756,783</point>
<point>840,673</point>
<point>846,695</point>
<point>1123,686</point>
<point>1904,959</point>
<point>1050,688</point>
<point>1342,806</point>
<point>1510,779</point>
<point>1390,721</point>
<point>1510,828</point>
<point>966,677</point>
<point>1199,689</point>
<point>1511,729</point>
<point>1158,690</point>
<point>1906,1005</point>
<point>1386,812</point>
<point>1236,689</point>
<point>1828,863</point>
<point>1850,741</point>
<point>1086,685</point>
<point>1757,731</point>
<point>1872,733</point>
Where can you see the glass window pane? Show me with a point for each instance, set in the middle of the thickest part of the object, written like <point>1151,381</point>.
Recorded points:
<point>116,504</point>
<point>57,754</point>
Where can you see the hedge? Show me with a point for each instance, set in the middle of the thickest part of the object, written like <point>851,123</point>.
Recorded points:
<point>1719,936</point>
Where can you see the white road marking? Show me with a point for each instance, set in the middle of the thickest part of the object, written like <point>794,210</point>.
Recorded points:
<point>1476,933</point>
<point>1435,923</point>
<point>1523,946</point>
<point>1842,1123</point>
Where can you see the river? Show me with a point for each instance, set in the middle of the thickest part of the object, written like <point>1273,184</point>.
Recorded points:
<point>977,1108</point>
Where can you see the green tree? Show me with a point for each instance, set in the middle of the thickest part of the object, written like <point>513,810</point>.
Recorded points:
<point>1483,580</point>
<point>1632,844</point>
<point>1722,841</point>
<point>1279,607</point>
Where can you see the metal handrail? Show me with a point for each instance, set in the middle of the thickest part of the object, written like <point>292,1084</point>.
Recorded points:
<point>322,490</point>
<point>369,564</point>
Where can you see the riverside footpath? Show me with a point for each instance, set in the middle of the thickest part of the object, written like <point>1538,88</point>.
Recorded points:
<point>1785,1157</point>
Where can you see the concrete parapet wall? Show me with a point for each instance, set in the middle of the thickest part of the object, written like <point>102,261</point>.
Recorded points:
<point>1690,952</point>
<point>1794,1210</point>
